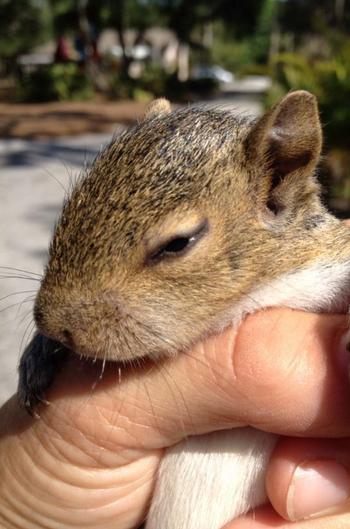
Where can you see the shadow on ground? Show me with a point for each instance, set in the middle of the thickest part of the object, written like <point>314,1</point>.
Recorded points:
<point>19,153</point>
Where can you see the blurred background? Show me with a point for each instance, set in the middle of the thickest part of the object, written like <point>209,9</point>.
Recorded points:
<point>74,71</point>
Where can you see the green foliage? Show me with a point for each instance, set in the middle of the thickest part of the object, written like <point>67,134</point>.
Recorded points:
<point>23,23</point>
<point>266,21</point>
<point>64,16</point>
<point>329,80</point>
<point>183,16</point>
<point>155,82</point>
<point>57,82</point>
<point>230,53</point>
<point>136,14</point>
<point>248,55</point>
<point>302,17</point>
<point>121,87</point>
<point>255,69</point>
<point>151,84</point>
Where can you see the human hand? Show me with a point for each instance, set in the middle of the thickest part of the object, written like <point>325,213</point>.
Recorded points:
<point>91,460</point>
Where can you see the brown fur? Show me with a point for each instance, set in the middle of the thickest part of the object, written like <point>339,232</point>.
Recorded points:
<point>254,183</point>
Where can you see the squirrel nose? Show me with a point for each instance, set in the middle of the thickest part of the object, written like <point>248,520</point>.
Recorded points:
<point>63,335</point>
<point>77,319</point>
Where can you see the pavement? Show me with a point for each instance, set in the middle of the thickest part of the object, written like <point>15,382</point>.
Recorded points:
<point>34,175</point>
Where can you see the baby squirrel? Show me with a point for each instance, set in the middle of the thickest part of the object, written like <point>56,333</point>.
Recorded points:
<point>184,224</point>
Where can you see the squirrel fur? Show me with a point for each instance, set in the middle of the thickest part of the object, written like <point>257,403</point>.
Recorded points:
<point>184,224</point>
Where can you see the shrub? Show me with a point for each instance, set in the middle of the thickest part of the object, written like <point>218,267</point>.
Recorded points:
<point>329,80</point>
<point>56,82</point>
<point>154,82</point>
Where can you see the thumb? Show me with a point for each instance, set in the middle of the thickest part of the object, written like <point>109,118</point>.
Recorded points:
<point>279,372</point>
<point>309,478</point>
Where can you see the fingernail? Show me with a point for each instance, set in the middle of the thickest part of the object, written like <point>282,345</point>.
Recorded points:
<point>316,488</point>
<point>344,353</point>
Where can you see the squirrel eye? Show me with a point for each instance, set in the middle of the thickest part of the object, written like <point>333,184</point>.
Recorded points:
<point>178,245</point>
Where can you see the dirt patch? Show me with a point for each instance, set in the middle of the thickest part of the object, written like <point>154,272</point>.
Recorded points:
<point>66,118</point>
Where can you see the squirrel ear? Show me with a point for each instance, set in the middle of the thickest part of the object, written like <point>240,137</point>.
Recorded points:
<point>287,140</point>
<point>157,107</point>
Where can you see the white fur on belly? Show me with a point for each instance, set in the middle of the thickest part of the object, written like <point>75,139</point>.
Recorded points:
<point>208,480</point>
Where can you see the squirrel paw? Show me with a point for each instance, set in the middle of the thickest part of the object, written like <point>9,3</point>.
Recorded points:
<point>36,371</point>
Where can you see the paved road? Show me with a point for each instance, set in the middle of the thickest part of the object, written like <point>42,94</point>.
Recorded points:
<point>33,176</point>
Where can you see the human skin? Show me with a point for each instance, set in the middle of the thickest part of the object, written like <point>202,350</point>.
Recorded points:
<point>91,459</point>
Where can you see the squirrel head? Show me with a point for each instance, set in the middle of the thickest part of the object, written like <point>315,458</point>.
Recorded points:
<point>179,219</point>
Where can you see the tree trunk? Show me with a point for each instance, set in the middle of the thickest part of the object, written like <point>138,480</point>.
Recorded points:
<point>339,9</point>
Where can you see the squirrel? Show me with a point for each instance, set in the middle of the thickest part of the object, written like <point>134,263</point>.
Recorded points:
<point>184,224</point>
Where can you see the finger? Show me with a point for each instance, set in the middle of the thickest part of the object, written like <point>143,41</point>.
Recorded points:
<point>281,372</point>
<point>267,518</point>
<point>308,477</point>
<point>52,475</point>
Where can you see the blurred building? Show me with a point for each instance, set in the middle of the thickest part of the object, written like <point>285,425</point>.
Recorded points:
<point>158,46</point>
